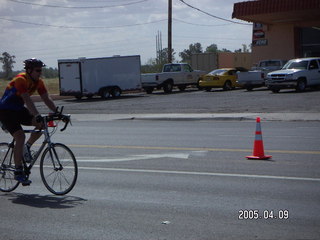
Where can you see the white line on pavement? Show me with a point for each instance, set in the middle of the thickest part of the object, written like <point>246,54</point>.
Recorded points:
<point>202,173</point>
<point>138,157</point>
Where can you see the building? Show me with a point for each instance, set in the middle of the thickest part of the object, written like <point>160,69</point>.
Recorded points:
<point>210,61</point>
<point>282,29</point>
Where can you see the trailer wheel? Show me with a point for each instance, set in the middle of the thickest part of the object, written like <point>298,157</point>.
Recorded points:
<point>148,90</point>
<point>116,92</point>
<point>105,93</point>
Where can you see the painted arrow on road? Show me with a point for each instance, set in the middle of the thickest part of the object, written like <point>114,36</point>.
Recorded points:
<point>138,157</point>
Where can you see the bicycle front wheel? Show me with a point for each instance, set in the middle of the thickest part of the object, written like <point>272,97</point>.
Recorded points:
<point>7,182</point>
<point>58,169</point>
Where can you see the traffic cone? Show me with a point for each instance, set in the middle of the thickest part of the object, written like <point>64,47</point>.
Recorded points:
<point>258,150</point>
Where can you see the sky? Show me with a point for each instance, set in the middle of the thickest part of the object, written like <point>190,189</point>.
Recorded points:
<point>68,29</point>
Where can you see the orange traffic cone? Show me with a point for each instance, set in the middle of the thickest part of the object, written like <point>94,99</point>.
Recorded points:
<point>258,151</point>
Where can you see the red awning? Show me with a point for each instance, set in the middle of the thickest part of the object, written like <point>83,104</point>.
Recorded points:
<point>268,10</point>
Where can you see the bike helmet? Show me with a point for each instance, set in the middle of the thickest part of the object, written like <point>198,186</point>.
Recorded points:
<point>33,63</point>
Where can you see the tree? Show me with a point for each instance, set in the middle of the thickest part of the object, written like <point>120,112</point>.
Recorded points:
<point>155,64</point>
<point>224,50</point>
<point>213,48</point>
<point>193,49</point>
<point>244,49</point>
<point>163,56</point>
<point>50,72</point>
<point>151,66</point>
<point>7,61</point>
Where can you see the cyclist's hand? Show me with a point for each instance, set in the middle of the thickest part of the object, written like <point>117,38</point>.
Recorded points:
<point>57,110</point>
<point>39,118</point>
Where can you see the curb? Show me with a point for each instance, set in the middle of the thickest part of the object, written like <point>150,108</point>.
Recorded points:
<point>201,117</point>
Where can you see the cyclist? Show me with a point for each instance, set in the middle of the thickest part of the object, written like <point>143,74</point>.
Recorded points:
<point>13,112</point>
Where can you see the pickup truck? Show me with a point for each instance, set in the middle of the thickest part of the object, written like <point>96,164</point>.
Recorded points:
<point>257,76</point>
<point>298,73</point>
<point>173,74</point>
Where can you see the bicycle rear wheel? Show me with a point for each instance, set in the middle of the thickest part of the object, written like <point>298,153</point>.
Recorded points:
<point>58,169</point>
<point>7,182</point>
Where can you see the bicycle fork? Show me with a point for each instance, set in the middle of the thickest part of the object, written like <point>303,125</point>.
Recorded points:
<point>54,156</point>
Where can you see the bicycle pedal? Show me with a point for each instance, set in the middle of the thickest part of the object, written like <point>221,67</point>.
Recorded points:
<point>26,183</point>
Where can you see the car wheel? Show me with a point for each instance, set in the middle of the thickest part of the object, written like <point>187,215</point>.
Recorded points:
<point>198,85</point>
<point>208,89</point>
<point>275,90</point>
<point>167,88</point>
<point>301,86</point>
<point>227,85</point>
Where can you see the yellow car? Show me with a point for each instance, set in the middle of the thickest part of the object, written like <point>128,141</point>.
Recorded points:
<point>220,78</point>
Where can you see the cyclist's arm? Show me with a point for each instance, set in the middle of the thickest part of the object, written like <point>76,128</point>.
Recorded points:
<point>29,103</point>
<point>48,101</point>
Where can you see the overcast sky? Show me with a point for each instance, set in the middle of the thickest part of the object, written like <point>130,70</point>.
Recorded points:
<point>60,29</point>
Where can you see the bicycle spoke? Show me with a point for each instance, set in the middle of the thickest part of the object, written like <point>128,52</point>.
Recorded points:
<point>58,169</point>
<point>7,182</point>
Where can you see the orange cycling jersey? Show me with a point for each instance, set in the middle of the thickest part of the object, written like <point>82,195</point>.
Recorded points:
<point>21,84</point>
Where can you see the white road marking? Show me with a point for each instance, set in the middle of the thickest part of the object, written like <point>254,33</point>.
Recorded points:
<point>138,157</point>
<point>211,174</point>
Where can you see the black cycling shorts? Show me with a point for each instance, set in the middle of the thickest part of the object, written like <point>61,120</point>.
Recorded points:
<point>12,119</point>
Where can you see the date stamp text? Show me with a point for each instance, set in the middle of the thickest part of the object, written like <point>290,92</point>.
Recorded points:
<point>254,214</point>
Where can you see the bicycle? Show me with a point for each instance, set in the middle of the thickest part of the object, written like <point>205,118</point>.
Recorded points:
<point>58,165</point>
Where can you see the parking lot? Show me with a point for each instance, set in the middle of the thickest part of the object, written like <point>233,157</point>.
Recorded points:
<point>192,100</point>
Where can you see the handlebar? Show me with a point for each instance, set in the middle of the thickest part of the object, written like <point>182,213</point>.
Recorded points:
<point>66,118</point>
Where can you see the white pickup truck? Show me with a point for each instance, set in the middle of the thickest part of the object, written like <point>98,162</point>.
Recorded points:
<point>173,74</point>
<point>298,73</point>
<point>257,76</point>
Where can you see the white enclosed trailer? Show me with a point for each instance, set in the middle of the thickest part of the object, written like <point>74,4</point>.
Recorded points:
<point>104,77</point>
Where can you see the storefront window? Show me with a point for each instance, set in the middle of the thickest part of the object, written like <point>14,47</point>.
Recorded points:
<point>310,42</point>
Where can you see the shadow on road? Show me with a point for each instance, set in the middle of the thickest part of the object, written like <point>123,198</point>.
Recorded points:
<point>45,201</point>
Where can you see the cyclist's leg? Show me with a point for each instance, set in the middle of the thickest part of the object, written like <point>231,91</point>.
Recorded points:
<point>19,138</point>
<point>29,120</point>
<point>19,173</point>
<point>11,120</point>
<point>13,125</point>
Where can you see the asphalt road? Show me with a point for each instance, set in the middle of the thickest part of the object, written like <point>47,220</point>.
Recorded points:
<point>142,179</point>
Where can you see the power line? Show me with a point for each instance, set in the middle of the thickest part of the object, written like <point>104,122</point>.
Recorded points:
<point>203,25</point>
<point>80,7</point>
<point>80,27</point>
<point>211,15</point>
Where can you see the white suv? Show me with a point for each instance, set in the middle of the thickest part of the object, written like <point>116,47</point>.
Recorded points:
<point>296,73</point>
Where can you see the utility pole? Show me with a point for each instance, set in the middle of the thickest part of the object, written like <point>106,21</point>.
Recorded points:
<point>159,50</point>
<point>169,31</point>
